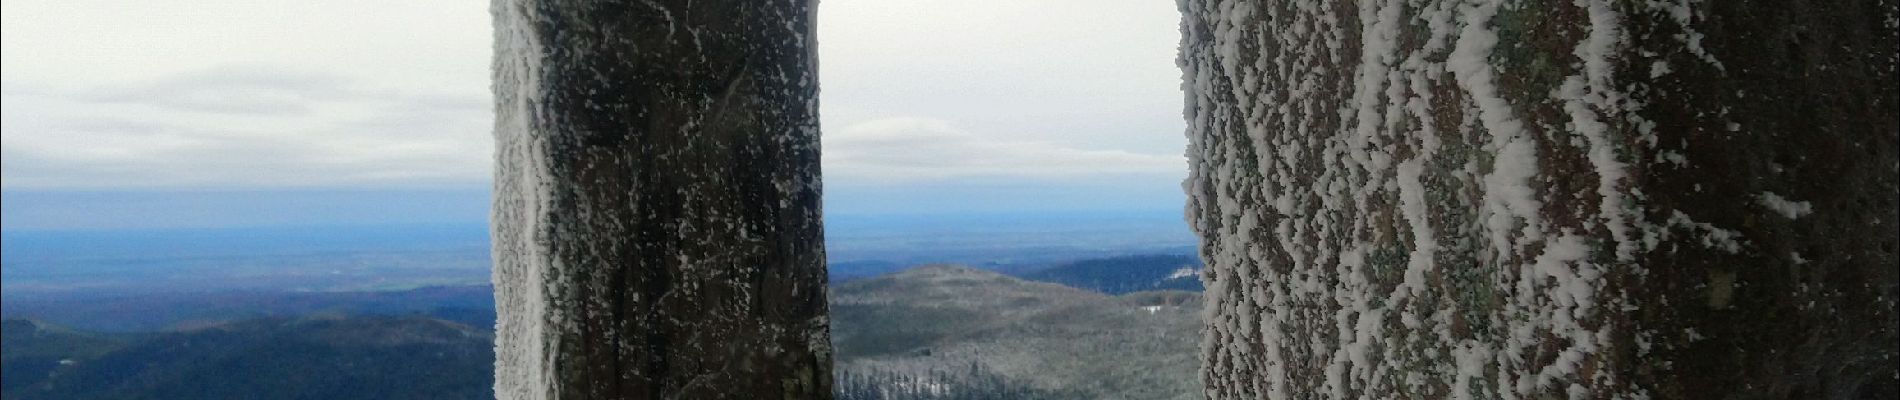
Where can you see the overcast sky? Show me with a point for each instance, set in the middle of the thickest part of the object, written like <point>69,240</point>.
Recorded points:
<point>1067,97</point>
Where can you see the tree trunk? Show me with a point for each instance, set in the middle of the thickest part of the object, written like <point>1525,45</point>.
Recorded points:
<point>657,224</point>
<point>1588,199</point>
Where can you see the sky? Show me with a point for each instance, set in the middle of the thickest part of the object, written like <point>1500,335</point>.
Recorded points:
<point>208,113</point>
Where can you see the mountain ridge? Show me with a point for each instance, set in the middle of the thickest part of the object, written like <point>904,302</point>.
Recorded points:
<point>1126,274</point>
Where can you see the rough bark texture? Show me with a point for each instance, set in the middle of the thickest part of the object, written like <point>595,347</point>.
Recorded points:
<point>657,222</point>
<point>1589,199</point>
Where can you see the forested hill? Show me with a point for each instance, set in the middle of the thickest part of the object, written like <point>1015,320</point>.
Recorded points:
<point>306,358</point>
<point>999,334</point>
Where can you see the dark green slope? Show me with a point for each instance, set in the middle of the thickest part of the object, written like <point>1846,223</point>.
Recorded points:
<point>30,351</point>
<point>318,358</point>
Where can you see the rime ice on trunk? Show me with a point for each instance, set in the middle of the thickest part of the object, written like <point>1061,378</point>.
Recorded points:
<point>1526,200</point>
<point>657,223</point>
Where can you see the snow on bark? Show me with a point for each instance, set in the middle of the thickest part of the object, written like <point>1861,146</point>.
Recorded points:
<point>1493,200</point>
<point>657,222</point>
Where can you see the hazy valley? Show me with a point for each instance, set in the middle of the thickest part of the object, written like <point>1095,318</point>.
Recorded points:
<point>931,332</point>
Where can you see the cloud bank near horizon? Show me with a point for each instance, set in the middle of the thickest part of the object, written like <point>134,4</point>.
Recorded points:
<point>980,104</point>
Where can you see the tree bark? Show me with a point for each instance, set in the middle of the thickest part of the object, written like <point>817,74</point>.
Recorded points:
<point>657,219</point>
<point>1588,199</point>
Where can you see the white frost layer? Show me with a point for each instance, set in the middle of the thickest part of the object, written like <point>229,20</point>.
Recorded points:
<point>1781,205</point>
<point>524,366</point>
<point>1386,213</point>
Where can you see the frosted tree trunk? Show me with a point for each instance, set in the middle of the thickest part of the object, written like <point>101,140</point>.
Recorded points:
<point>657,224</point>
<point>1530,200</point>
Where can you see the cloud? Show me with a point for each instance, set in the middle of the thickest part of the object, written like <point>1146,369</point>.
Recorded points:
<point>104,94</point>
<point>230,89</point>
<point>912,149</point>
<point>1098,74</point>
<point>242,127</point>
<point>109,94</point>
